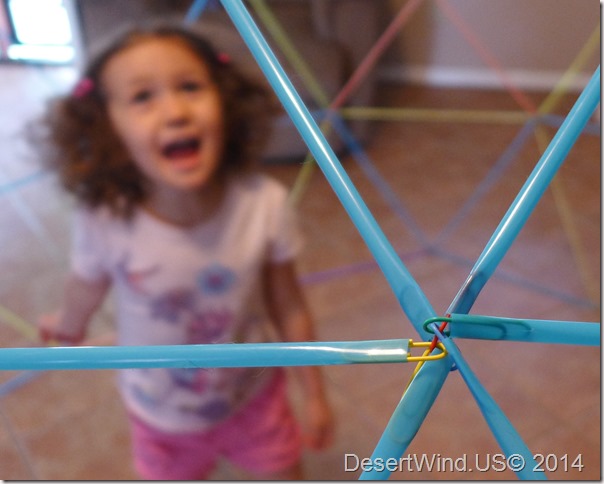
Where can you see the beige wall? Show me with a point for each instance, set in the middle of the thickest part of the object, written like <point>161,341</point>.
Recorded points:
<point>536,40</point>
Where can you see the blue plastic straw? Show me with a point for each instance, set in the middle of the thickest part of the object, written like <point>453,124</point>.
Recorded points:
<point>427,383</point>
<point>529,330</point>
<point>383,187</point>
<point>409,294</point>
<point>195,11</point>
<point>18,381</point>
<point>421,393</point>
<point>205,356</point>
<point>26,180</point>
<point>408,415</point>
<point>520,281</point>
<point>512,445</point>
<point>529,195</point>
<point>494,175</point>
<point>32,222</point>
<point>592,128</point>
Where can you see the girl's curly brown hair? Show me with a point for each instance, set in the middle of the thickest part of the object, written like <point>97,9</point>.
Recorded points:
<point>77,139</point>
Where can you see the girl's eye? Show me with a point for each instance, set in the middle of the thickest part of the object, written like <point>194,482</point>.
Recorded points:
<point>191,86</point>
<point>140,97</point>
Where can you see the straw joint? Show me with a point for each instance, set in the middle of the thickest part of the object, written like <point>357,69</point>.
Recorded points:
<point>426,356</point>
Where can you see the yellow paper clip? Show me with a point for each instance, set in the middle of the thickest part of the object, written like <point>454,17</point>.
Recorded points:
<point>426,356</point>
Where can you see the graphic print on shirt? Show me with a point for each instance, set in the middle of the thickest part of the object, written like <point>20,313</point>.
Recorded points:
<point>199,309</point>
<point>135,279</point>
<point>193,379</point>
<point>198,306</point>
<point>173,304</point>
<point>216,280</point>
<point>224,381</point>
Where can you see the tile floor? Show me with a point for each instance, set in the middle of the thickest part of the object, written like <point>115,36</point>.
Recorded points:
<point>71,425</point>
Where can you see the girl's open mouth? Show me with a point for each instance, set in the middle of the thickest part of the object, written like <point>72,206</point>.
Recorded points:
<point>181,149</point>
<point>184,154</point>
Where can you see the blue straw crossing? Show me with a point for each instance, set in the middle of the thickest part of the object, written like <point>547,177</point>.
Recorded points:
<point>409,294</point>
<point>529,195</point>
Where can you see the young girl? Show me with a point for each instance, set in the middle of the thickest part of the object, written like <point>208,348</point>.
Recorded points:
<point>156,143</point>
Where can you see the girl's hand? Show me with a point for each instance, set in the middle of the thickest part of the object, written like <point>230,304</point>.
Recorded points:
<point>82,298</point>
<point>319,431</point>
<point>50,331</point>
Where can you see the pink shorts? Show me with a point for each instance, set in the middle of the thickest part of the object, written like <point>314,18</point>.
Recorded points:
<point>262,438</point>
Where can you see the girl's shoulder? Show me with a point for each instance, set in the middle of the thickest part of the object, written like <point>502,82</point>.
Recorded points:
<point>100,218</point>
<point>259,185</point>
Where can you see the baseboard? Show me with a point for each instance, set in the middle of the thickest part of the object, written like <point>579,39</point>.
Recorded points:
<point>478,78</point>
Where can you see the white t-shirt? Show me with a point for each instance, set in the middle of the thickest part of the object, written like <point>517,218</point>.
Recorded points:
<point>190,286</point>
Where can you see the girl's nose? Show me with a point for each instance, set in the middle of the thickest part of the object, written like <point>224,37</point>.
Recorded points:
<point>175,109</point>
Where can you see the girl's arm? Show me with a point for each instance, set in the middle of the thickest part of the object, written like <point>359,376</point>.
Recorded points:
<point>82,298</point>
<point>293,321</point>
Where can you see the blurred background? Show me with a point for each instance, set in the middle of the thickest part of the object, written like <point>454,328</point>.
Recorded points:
<point>448,121</point>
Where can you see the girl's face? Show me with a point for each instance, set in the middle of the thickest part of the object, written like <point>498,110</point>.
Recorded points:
<point>167,110</point>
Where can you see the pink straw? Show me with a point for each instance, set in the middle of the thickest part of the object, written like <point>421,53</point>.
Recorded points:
<point>375,52</point>
<point>487,57</point>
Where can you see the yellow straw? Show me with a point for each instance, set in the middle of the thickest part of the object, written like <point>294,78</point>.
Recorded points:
<point>568,224</point>
<point>577,65</point>
<point>19,324</point>
<point>560,199</point>
<point>411,114</point>
<point>315,89</point>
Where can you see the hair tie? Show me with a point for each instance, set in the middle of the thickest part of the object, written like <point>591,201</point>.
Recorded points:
<point>223,58</point>
<point>84,87</point>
